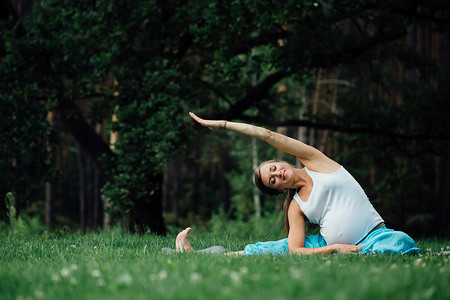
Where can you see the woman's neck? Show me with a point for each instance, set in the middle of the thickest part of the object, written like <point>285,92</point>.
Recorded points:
<point>301,178</point>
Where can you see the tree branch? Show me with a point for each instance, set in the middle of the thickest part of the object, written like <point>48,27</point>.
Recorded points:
<point>319,60</point>
<point>354,50</point>
<point>255,94</point>
<point>84,134</point>
<point>216,91</point>
<point>262,39</point>
<point>344,129</point>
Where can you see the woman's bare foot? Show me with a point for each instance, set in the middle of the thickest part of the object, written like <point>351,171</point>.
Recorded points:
<point>182,241</point>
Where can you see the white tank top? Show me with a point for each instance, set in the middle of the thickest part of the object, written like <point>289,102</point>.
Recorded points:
<point>339,205</point>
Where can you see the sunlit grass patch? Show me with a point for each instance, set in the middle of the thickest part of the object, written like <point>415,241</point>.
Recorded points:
<point>113,265</point>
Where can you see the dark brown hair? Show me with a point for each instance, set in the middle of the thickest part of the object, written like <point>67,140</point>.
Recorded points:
<point>287,203</point>
<point>272,191</point>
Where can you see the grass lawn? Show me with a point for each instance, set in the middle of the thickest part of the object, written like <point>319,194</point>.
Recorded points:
<point>112,265</point>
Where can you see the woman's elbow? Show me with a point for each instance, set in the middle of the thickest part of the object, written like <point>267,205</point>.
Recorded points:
<point>266,135</point>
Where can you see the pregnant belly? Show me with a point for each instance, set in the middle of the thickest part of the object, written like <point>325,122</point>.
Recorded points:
<point>342,227</point>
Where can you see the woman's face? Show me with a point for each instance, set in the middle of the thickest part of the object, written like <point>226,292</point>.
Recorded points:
<point>277,175</point>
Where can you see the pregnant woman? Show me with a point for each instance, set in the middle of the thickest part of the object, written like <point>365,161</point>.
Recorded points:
<point>323,192</point>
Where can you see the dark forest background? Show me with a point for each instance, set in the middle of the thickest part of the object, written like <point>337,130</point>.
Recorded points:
<point>95,95</point>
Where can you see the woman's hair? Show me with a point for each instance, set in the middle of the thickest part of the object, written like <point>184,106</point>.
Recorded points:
<point>272,191</point>
<point>287,203</point>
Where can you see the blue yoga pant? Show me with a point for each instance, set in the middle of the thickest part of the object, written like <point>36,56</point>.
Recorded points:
<point>281,246</point>
<point>388,241</point>
<point>382,241</point>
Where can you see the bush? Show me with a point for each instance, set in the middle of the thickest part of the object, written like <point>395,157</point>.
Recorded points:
<point>269,227</point>
<point>22,226</point>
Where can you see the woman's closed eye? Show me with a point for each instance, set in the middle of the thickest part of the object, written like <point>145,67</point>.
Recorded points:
<point>272,180</point>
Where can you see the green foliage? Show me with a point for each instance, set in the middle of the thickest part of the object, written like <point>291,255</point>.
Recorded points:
<point>20,226</point>
<point>24,133</point>
<point>10,209</point>
<point>69,54</point>
<point>153,61</point>
<point>240,177</point>
<point>269,227</point>
<point>150,128</point>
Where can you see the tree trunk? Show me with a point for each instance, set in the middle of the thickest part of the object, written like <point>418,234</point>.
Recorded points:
<point>196,189</point>
<point>224,186</point>
<point>49,185</point>
<point>62,191</point>
<point>301,130</point>
<point>3,192</point>
<point>48,205</point>
<point>171,181</point>
<point>147,214</point>
<point>256,196</point>
<point>96,197</point>
<point>81,198</point>
<point>315,106</point>
<point>442,209</point>
<point>92,143</point>
<point>112,145</point>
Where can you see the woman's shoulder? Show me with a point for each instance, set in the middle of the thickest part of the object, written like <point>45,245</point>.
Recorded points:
<point>338,177</point>
<point>328,169</point>
<point>320,163</point>
<point>295,209</point>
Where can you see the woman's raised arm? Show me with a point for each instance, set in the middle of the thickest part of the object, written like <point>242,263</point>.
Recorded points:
<point>312,158</point>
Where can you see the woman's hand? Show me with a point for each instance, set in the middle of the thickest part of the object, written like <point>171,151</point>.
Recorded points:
<point>343,248</point>
<point>211,124</point>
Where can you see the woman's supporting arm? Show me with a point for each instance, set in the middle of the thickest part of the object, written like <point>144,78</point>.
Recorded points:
<point>330,249</point>
<point>312,158</point>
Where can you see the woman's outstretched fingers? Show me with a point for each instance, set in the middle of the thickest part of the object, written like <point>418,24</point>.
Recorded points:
<point>193,116</point>
<point>211,124</point>
<point>197,119</point>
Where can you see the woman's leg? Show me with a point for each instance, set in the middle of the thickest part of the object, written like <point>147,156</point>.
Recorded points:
<point>281,246</point>
<point>183,245</point>
<point>271,247</point>
<point>388,241</point>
